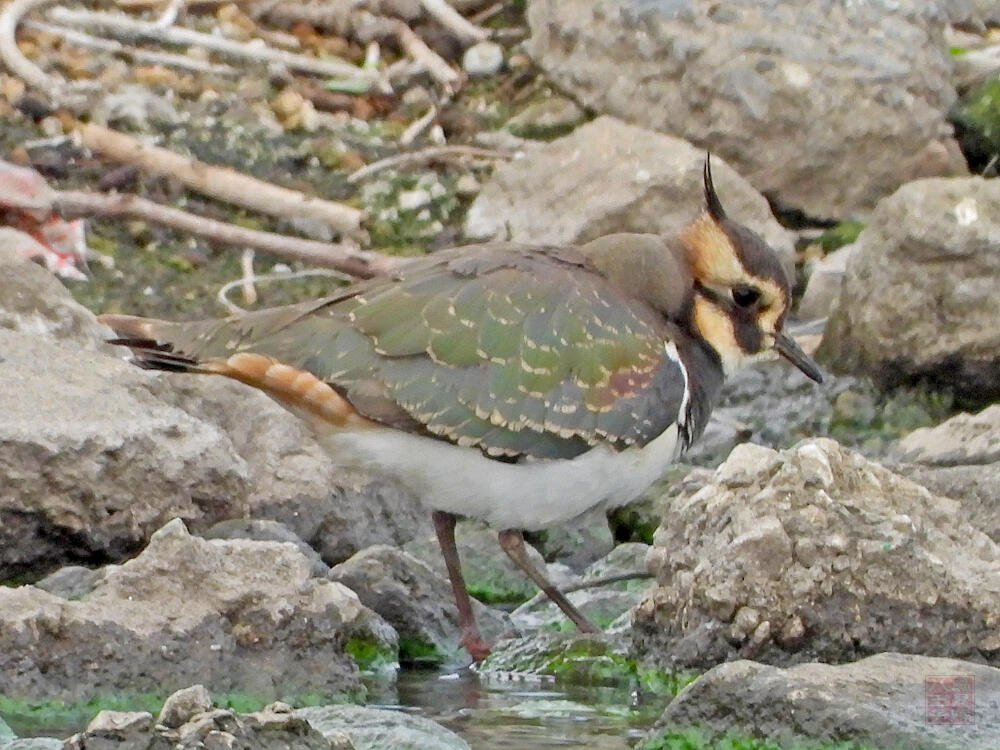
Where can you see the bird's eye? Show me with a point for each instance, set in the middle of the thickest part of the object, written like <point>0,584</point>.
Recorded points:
<point>745,296</point>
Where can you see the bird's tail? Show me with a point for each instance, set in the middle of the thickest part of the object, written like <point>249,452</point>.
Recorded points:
<point>154,342</point>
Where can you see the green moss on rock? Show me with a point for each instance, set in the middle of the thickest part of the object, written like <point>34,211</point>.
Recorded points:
<point>693,739</point>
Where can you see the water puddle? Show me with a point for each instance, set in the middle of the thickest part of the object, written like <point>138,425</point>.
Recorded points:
<point>501,715</point>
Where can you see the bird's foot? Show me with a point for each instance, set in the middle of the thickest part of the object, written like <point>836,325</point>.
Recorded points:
<point>478,648</point>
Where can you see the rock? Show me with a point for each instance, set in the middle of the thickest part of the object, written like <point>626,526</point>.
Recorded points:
<point>815,553</point>
<point>379,729</point>
<point>490,576</point>
<point>233,615</point>
<point>608,176</point>
<point>918,301</point>
<point>33,302</point>
<point>826,109</point>
<point>93,462</point>
<point>962,440</point>
<point>416,601</point>
<point>34,743</point>
<point>571,658</point>
<point>552,115</point>
<point>960,459</point>
<point>179,707</point>
<point>263,530</point>
<point>6,733</point>
<point>823,288</point>
<point>71,581</point>
<point>483,59</point>
<point>883,701</point>
<point>121,730</point>
<point>273,727</point>
<point>579,542</point>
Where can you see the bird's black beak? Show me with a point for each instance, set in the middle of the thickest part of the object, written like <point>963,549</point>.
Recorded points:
<point>785,346</point>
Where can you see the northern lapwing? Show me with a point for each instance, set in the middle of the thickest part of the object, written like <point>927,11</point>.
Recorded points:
<point>519,384</point>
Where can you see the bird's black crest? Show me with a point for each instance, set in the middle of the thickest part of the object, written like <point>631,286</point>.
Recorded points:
<point>715,209</point>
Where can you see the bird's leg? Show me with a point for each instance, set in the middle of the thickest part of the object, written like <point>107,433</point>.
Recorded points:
<point>444,527</point>
<point>512,542</point>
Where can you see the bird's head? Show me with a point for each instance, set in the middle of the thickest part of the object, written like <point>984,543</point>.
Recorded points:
<point>741,291</point>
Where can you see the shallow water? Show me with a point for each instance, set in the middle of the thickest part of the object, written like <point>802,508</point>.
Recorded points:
<point>491,714</point>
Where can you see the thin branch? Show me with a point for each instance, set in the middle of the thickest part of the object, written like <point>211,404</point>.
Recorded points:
<point>436,65</point>
<point>185,62</point>
<point>452,20</point>
<point>418,126</point>
<point>345,257</point>
<point>57,89</point>
<point>122,26</point>
<point>219,182</point>
<point>422,156</point>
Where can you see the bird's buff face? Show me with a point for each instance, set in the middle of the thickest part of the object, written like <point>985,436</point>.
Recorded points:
<point>741,292</point>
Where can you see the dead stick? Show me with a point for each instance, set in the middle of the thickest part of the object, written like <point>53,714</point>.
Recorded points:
<point>54,87</point>
<point>436,65</point>
<point>422,156</point>
<point>343,257</point>
<point>121,25</point>
<point>170,59</point>
<point>452,20</point>
<point>219,182</point>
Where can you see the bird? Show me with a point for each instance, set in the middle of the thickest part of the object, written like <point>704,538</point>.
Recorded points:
<point>519,384</point>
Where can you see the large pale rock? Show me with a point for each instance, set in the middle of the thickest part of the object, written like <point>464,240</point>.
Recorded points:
<point>816,553</point>
<point>92,462</point>
<point>608,176</point>
<point>823,288</point>
<point>826,106</point>
<point>379,729</point>
<point>231,615</point>
<point>960,459</point>
<point>34,302</point>
<point>882,701</point>
<point>920,296</point>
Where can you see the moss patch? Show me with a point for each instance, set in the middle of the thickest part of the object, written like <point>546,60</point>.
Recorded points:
<point>692,739</point>
<point>418,652</point>
<point>976,118</point>
<point>578,659</point>
<point>840,234</point>
<point>370,656</point>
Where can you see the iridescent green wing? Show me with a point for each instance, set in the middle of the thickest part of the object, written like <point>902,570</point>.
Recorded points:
<point>519,352</point>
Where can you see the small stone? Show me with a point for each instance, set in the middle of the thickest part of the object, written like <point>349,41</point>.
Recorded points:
<point>182,705</point>
<point>467,186</point>
<point>411,200</point>
<point>792,631</point>
<point>121,721</point>
<point>483,59</point>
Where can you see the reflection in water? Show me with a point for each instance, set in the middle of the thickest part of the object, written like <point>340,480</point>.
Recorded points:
<point>509,715</point>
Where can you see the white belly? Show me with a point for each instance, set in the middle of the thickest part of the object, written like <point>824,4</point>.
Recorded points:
<point>529,496</point>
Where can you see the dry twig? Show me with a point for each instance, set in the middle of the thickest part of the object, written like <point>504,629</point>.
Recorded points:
<point>58,90</point>
<point>344,257</point>
<point>219,182</point>
<point>422,156</point>
<point>452,20</point>
<point>435,65</point>
<point>168,59</point>
<point>128,28</point>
